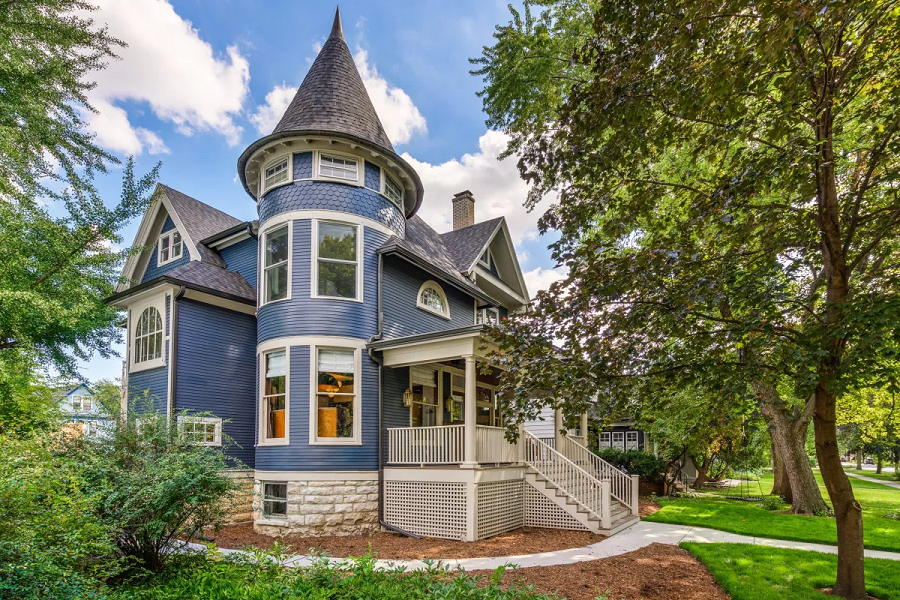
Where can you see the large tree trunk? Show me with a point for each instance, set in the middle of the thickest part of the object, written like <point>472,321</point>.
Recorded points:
<point>782,485</point>
<point>788,430</point>
<point>702,471</point>
<point>859,457</point>
<point>851,581</point>
<point>878,465</point>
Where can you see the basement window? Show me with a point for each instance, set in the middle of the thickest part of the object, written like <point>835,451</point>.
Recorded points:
<point>275,500</point>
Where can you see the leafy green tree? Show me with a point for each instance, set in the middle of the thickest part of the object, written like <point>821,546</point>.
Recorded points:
<point>51,546</point>
<point>871,415</point>
<point>153,483</point>
<point>56,269</point>
<point>727,205</point>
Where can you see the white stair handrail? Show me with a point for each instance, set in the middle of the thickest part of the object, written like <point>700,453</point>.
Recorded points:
<point>580,485</point>
<point>622,485</point>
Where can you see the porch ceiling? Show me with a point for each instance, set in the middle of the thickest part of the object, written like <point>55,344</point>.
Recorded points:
<point>433,347</point>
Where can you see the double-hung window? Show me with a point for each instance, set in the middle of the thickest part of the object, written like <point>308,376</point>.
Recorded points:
<point>488,316</point>
<point>275,267</point>
<point>336,396</point>
<point>170,247</point>
<point>337,260</point>
<point>276,173</point>
<point>604,439</point>
<point>82,403</point>
<point>274,500</point>
<point>338,167</point>
<point>274,409</point>
<point>203,431</point>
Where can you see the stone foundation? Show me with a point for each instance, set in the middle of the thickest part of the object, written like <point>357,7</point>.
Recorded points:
<point>240,505</point>
<point>348,507</point>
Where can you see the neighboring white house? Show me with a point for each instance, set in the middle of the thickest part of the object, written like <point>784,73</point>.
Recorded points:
<point>84,415</point>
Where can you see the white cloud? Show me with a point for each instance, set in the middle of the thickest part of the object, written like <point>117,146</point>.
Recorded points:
<point>399,115</point>
<point>541,279</point>
<point>496,185</point>
<point>266,116</point>
<point>167,65</point>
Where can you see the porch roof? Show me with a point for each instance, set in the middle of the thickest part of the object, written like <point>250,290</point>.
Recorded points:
<point>432,346</point>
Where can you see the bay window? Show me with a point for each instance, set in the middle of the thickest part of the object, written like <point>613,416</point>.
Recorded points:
<point>274,405</point>
<point>335,418</point>
<point>276,264</point>
<point>337,268</point>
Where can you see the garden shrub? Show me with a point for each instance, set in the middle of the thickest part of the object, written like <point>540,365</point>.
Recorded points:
<point>51,546</point>
<point>772,503</point>
<point>635,462</point>
<point>260,577</point>
<point>155,485</point>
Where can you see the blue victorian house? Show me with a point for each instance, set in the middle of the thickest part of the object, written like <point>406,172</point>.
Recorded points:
<point>337,339</point>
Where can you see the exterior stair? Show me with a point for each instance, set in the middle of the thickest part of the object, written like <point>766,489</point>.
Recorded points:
<point>574,488</point>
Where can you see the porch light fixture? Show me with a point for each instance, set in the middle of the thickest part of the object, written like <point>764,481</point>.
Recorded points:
<point>407,398</point>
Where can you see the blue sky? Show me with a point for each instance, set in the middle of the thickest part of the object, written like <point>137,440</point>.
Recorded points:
<point>202,79</point>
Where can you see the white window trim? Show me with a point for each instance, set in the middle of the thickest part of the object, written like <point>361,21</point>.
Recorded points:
<point>263,190</point>
<point>486,265</point>
<point>159,243</point>
<point>314,269</point>
<point>440,291</point>
<point>384,179</point>
<point>181,420</point>
<point>483,311</point>
<point>262,262</point>
<point>262,440</point>
<point>608,439</point>
<point>314,440</point>
<point>278,519</point>
<point>135,311</point>
<point>360,167</point>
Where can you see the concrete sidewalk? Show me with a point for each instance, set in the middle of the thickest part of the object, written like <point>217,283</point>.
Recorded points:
<point>637,536</point>
<point>893,484</point>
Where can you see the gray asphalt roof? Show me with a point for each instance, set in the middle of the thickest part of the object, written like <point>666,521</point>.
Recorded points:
<point>217,279</point>
<point>201,221</point>
<point>464,245</point>
<point>332,97</point>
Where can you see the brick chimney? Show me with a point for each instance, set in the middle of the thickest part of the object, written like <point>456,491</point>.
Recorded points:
<point>463,210</point>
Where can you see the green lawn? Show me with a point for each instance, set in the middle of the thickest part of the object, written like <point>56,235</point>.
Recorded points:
<point>759,573</point>
<point>883,476</point>
<point>747,518</point>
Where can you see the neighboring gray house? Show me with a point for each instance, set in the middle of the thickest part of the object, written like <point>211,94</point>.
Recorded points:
<point>337,339</point>
<point>83,415</point>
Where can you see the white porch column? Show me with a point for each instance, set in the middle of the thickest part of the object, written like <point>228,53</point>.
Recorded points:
<point>520,446</point>
<point>584,429</point>
<point>557,428</point>
<point>469,448</point>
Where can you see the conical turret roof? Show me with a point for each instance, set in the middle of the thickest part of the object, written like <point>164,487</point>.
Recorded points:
<point>332,97</point>
<point>332,101</point>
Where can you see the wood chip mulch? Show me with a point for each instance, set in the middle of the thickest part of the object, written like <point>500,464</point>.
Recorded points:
<point>655,572</point>
<point>528,540</point>
<point>646,508</point>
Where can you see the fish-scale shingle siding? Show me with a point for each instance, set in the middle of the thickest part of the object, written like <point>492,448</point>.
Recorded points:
<point>322,195</point>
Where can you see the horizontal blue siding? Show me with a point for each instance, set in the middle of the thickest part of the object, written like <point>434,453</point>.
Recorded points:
<point>300,455</point>
<point>393,383</point>
<point>153,270</point>
<point>326,195</point>
<point>153,382</point>
<point>217,370</point>
<point>400,287</point>
<point>303,315</point>
<point>241,258</point>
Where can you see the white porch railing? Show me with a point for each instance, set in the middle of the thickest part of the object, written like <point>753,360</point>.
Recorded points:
<point>623,487</point>
<point>441,445</point>
<point>491,445</point>
<point>569,477</point>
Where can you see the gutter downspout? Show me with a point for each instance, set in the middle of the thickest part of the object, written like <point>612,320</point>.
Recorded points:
<point>173,354</point>
<point>380,364</point>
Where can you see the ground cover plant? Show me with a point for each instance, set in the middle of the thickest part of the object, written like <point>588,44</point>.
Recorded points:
<point>749,518</point>
<point>749,572</point>
<point>260,577</point>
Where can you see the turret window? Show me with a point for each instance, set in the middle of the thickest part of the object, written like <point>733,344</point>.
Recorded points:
<point>337,269</point>
<point>393,191</point>
<point>276,267</point>
<point>276,173</point>
<point>338,167</point>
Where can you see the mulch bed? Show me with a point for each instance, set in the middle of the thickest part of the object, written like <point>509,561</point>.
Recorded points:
<point>647,508</point>
<point>655,572</point>
<point>528,540</point>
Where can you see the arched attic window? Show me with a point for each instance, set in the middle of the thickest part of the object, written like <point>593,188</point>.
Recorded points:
<point>148,336</point>
<point>433,299</point>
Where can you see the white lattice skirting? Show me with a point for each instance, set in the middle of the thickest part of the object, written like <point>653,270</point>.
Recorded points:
<point>501,507</point>
<point>427,508</point>
<point>542,512</point>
